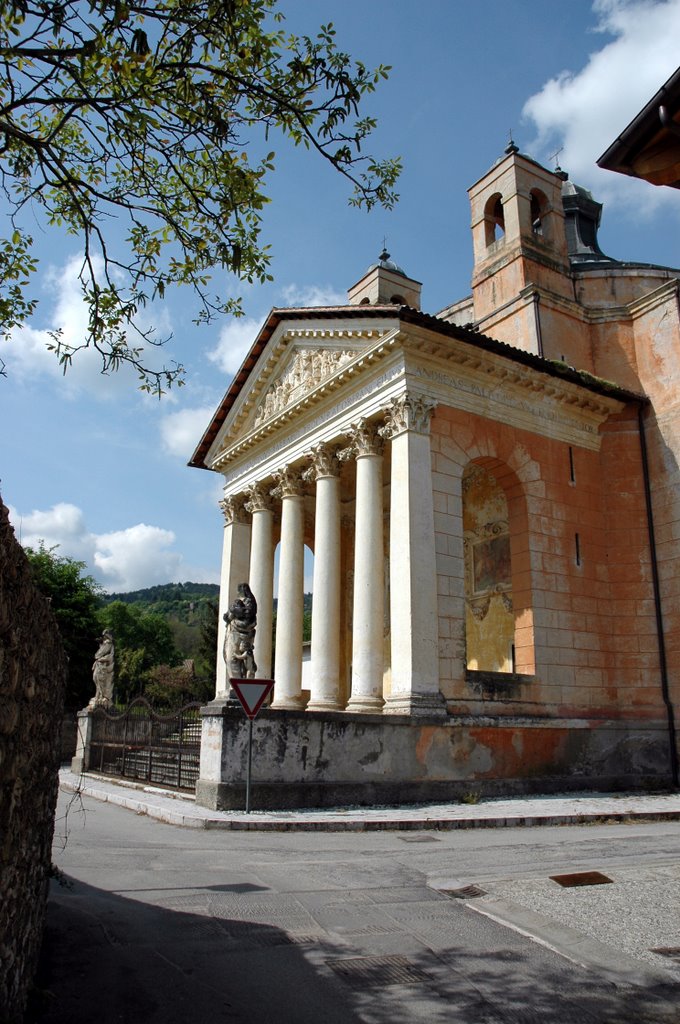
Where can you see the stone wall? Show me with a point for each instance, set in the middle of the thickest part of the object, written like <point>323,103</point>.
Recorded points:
<point>32,678</point>
<point>312,759</point>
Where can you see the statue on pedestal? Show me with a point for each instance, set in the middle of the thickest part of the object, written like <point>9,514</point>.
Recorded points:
<point>241,620</point>
<point>102,671</point>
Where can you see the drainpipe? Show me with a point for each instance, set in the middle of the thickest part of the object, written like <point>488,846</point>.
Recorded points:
<point>657,603</point>
<point>537,320</point>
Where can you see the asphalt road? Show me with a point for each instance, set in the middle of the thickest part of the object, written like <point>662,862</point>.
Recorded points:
<point>163,924</point>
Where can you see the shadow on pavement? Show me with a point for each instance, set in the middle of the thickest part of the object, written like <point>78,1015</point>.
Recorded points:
<point>112,960</point>
<point>108,959</point>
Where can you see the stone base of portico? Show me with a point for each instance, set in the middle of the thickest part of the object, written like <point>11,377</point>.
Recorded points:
<point>315,759</point>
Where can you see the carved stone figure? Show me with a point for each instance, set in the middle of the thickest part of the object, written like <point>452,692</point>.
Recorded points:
<point>241,620</point>
<point>102,671</point>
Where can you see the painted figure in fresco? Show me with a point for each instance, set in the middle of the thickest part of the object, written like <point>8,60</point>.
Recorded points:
<point>102,671</point>
<point>241,620</point>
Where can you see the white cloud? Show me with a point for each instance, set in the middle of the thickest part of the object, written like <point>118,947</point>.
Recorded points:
<point>26,354</point>
<point>138,556</point>
<point>62,526</point>
<point>235,341</point>
<point>304,296</point>
<point>181,431</point>
<point>584,111</point>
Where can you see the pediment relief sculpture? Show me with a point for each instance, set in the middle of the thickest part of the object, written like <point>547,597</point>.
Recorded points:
<point>308,368</point>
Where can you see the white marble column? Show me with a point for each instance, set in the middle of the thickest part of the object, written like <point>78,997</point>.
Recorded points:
<point>413,569</point>
<point>325,687</point>
<point>261,577</point>
<point>369,602</point>
<point>288,667</point>
<point>235,568</point>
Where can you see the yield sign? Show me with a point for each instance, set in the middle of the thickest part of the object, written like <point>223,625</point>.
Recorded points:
<point>252,693</point>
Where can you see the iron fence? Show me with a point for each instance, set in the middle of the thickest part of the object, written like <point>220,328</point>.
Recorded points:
<point>140,743</point>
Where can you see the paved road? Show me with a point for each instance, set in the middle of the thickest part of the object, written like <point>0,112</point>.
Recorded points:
<point>164,924</point>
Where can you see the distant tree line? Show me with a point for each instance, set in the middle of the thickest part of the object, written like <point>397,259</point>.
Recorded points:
<point>165,637</point>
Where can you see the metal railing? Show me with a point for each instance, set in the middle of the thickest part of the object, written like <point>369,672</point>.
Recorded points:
<point>140,743</point>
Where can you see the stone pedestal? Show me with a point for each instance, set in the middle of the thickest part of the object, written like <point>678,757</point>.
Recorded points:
<point>81,760</point>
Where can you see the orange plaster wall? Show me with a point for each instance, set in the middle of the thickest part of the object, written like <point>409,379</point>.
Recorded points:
<point>589,626</point>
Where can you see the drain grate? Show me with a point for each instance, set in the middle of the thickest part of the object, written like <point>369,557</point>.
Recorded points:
<point>581,878</point>
<point>374,971</point>
<point>672,952</point>
<point>467,892</point>
<point>420,839</point>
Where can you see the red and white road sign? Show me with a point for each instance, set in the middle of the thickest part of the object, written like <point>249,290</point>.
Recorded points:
<point>252,693</point>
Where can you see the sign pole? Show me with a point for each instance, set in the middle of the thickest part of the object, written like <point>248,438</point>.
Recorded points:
<point>252,694</point>
<point>250,761</point>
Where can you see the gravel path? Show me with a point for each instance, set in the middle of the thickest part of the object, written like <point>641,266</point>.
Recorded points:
<point>638,912</point>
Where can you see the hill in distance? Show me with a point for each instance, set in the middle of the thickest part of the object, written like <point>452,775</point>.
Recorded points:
<point>181,601</point>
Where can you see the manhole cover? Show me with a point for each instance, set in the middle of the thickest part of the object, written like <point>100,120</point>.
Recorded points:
<point>467,892</point>
<point>672,952</point>
<point>368,971</point>
<point>420,839</point>
<point>581,878</point>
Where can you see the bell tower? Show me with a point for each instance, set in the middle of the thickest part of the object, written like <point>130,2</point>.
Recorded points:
<point>520,247</point>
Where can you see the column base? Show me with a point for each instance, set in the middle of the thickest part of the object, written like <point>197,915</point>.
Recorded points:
<point>416,705</point>
<point>288,703</point>
<point>325,705</point>
<point>365,705</point>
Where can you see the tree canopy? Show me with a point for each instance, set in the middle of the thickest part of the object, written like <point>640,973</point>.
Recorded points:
<point>142,642</point>
<point>75,599</point>
<point>160,114</point>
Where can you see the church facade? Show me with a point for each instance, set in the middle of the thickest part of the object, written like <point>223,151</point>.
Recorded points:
<point>491,498</point>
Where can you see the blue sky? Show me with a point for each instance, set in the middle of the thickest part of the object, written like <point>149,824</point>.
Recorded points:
<point>91,465</point>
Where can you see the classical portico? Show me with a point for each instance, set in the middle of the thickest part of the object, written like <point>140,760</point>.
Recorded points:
<point>359,498</point>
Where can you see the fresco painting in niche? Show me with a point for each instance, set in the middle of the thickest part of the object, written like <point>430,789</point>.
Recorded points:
<point>489,618</point>
<point>491,563</point>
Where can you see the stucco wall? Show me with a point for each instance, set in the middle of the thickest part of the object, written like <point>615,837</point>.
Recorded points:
<point>32,676</point>
<point>582,593</point>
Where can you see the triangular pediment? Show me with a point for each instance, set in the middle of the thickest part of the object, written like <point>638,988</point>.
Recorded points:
<point>298,364</point>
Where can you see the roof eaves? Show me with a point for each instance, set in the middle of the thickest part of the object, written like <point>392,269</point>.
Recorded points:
<point>406,314</point>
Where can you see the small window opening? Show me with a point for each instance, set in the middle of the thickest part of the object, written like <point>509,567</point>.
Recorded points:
<point>398,300</point>
<point>572,474</point>
<point>539,205</point>
<point>365,301</point>
<point>494,219</point>
<point>577,540</point>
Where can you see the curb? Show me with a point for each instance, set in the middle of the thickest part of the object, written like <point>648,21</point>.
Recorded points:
<point>247,823</point>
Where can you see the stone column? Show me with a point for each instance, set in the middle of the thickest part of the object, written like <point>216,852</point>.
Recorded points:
<point>325,689</point>
<point>288,669</point>
<point>413,569</point>
<point>368,606</point>
<point>261,578</point>
<point>235,568</point>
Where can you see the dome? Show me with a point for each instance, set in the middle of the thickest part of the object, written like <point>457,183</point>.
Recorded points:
<point>386,263</point>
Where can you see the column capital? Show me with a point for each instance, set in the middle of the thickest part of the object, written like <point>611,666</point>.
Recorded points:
<point>259,499</point>
<point>408,412</point>
<point>289,484</point>
<point>323,463</point>
<point>233,509</point>
<point>364,440</point>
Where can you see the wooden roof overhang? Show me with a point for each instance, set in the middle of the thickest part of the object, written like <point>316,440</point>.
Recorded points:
<point>649,148</point>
